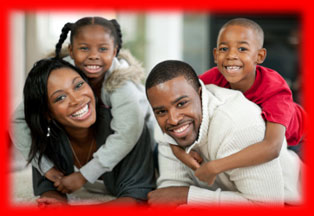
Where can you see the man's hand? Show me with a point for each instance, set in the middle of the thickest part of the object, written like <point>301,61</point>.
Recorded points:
<point>70,183</point>
<point>207,172</point>
<point>192,160</point>
<point>53,174</point>
<point>170,196</point>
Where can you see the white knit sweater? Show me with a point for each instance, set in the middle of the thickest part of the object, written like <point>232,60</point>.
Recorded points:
<point>230,123</point>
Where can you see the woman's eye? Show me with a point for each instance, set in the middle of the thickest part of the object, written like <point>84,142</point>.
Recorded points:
<point>79,85</point>
<point>59,98</point>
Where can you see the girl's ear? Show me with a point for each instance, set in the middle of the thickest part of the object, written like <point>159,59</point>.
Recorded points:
<point>115,50</point>
<point>215,55</point>
<point>261,55</point>
<point>70,49</point>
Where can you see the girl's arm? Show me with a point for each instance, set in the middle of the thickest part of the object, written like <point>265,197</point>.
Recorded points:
<point>128,119</point>
<point>255,154</point>
<point>22,140</point>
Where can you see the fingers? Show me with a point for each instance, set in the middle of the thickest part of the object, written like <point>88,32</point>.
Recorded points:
<point>196,156</point>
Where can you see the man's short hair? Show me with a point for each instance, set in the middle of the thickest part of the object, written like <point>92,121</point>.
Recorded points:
<point>170,69</point>
<point>249,24</point>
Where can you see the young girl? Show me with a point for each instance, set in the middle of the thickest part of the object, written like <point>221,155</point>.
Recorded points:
<point>116,79</point>
<point>67,126</point>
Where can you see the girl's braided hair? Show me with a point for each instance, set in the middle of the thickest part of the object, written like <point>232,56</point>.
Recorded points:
<point>112,25</point>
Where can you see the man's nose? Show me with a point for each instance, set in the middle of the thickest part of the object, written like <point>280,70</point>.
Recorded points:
<point>174,117</point>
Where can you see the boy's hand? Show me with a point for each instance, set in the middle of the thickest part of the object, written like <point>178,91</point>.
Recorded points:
<point>192,160</point>
<point>53,174</point>
<point>207,172</point>
<point>70,183</point>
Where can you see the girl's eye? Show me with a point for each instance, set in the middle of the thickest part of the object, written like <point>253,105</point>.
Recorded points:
<point>79,85</point>
<point>84,48</point>
<point>59,98</point>
<point>102,49</point>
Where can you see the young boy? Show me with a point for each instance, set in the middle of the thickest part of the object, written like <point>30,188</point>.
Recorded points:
<point>238,53</point>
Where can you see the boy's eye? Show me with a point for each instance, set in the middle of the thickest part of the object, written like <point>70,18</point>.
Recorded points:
<point>223,49</point>
<point>241,49</point>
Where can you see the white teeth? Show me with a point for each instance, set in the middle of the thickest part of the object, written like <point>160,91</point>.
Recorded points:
<point>179,130</point>
<point>93,67</point>
<point>233,67</point>
<point>81,112</point>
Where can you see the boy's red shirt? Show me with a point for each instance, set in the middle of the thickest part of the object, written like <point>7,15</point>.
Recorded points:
<point>271,92</point>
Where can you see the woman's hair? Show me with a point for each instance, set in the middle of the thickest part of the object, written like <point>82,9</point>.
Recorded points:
<point>36,112</point>
<point>112,25</point>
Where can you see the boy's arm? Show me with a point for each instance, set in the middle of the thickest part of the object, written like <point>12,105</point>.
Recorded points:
<point>192,160</point>
<point>255,154</point>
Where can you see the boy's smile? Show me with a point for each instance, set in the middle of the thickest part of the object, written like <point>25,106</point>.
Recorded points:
<point>237,55</point>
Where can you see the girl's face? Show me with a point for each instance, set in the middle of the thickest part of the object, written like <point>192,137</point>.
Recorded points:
<point>93,50</point>
<point>71,100</point>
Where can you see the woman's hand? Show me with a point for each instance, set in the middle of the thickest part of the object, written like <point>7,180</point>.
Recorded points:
<point>53,174</point>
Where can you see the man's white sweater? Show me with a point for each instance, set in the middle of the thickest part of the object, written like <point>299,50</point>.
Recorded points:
<point>230,123</point>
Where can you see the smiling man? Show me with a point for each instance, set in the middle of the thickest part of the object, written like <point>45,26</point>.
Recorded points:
<point>215,122</point>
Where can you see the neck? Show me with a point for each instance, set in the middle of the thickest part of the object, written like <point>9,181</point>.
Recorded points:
<point>245,84</point>
<point>96,84</point>
<point>81,137</point>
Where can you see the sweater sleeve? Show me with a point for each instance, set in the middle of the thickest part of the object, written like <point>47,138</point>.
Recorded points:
<point>127,124</point>
<point>259,184</point>
<point>21,138</point>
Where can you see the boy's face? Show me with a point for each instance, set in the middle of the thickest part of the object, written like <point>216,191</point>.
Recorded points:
<point>237,53</point>
<point>177,108</point>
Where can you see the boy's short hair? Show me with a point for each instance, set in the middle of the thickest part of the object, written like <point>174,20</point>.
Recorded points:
<point>249,24</point>
<point>170,69</point>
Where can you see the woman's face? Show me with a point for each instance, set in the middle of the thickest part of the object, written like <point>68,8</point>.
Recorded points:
<point>70,99</point>
<point>93,50</point>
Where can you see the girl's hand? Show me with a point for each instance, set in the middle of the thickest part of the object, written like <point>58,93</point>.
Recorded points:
<point>53,174</point>
<point>70,183</point>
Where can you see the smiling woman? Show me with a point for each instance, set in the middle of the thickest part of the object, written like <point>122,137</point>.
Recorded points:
<point>60,110</point>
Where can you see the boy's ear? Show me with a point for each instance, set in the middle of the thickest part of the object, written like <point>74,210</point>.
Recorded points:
<point>70,49</point>
<point>215,55</point>
<point>261,55</point>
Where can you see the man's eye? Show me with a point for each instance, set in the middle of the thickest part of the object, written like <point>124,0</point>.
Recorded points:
<point>182,103</point>
<point>160,112</point>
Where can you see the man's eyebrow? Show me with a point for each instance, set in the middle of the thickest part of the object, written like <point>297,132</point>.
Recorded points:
<point>178,99</point>
<point>173,102</point>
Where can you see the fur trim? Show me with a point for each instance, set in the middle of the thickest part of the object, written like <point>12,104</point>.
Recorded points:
<point>134,72</point>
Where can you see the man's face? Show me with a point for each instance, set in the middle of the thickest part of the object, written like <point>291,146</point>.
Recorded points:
<point>177,108</point>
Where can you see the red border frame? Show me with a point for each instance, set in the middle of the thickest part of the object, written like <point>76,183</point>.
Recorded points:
<point>227,6</point>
